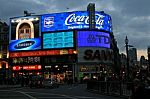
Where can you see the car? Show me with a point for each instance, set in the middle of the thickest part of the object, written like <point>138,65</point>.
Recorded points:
<point>50,83</point>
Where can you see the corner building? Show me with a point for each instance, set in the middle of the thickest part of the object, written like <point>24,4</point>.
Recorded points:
<point>61,46</point>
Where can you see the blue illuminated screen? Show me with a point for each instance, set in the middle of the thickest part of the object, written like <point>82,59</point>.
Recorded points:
<point>93,39</point>
<point>74,20</point>
<point>58,40</point>
<point>25,44</point>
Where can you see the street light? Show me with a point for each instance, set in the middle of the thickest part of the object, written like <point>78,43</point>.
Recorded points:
<point>126,45</point>
<point>127,52</point>
<point>26,13</point>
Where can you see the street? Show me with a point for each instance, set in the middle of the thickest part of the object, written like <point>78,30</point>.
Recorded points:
<point>63,92</point>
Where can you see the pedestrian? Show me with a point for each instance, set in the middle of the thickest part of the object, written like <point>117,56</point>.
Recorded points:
<point>22,81</point>
<point>137,90</point>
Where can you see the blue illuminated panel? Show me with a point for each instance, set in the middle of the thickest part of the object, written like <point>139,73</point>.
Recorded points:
<point>25,44</point>
<point>58,40</point>
<point>74,20</point>
<point>93,39</point>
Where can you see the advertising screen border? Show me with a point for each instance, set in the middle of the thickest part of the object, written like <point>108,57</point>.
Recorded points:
<point>35,46</point>
<point>74,40</point>
<point>96,30</point>
<point>37,25</point>
<point>51,20</point>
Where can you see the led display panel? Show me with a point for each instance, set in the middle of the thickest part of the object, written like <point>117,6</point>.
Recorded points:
<point>74,20</point>
<point>58,40</point>
<point>93,39</point>
<point>25,33</point>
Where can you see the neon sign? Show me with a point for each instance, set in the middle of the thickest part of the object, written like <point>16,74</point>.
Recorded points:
<point>25,60</point>
<point>30,67</point>
<point>40,53</point>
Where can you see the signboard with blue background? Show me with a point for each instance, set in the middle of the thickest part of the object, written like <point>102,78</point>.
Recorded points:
<point>74,20</point>
<point>25,44</point>
<point>93,39</point>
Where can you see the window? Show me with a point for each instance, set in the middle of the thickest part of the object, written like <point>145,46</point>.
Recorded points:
<point>5,37</point>
<point>0,48</point>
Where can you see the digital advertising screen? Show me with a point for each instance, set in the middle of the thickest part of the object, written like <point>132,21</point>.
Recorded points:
<point>25,33</point>
<point>58,40</point>
<point>74,20</point>
<point>24,27</point>
<point>25,44</point>
<point>93,39</point>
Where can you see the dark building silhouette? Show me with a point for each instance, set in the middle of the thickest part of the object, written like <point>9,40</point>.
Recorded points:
<point>4,42</point>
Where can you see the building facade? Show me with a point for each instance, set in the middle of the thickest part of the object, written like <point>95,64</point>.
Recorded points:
<point>132,57</point>
<point>148,52</point>
<point>62,46</point>
<point>4,42</point>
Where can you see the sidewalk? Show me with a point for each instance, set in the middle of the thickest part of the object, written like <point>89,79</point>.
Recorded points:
<point>9,86</point>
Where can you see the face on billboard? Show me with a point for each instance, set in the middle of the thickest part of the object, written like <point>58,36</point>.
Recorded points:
<point>93,39</point>
<point>74,20</point>
<point>58,40</point>
<point>23,30</point>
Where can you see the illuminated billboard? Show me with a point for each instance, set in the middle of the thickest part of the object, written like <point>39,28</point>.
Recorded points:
<point>41,53</point>
<point>25,44</point>
<point>74,20</point>
<point>93,39</point>
<point>58,40</point>
<point>27,67</point>
<point>25,60</point>
<point>100,55</point>
<point>25,27</point>
<point>25,33</point>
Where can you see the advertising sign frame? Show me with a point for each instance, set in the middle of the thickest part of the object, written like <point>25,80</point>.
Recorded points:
<point>74,20</point>
<point>74,40</point>
<point>94,39</point>
<point>25,28</point>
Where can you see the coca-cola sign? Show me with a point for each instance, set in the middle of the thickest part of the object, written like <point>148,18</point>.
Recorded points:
<point>79,20</point>
<point>75,20</point>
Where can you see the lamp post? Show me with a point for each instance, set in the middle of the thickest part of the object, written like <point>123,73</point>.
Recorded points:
<point>74,66</point>
<point>126,45</point>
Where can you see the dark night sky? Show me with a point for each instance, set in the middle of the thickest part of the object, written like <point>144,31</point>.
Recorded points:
<point>129,17</point>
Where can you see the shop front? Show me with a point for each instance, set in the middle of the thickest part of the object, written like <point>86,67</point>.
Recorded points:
<point>94,62</point>
<point>26,70</point>
<point>58,67</point>
<point>58,72</point>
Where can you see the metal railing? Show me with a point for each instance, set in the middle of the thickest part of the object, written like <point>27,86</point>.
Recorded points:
<point>116,88</point>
